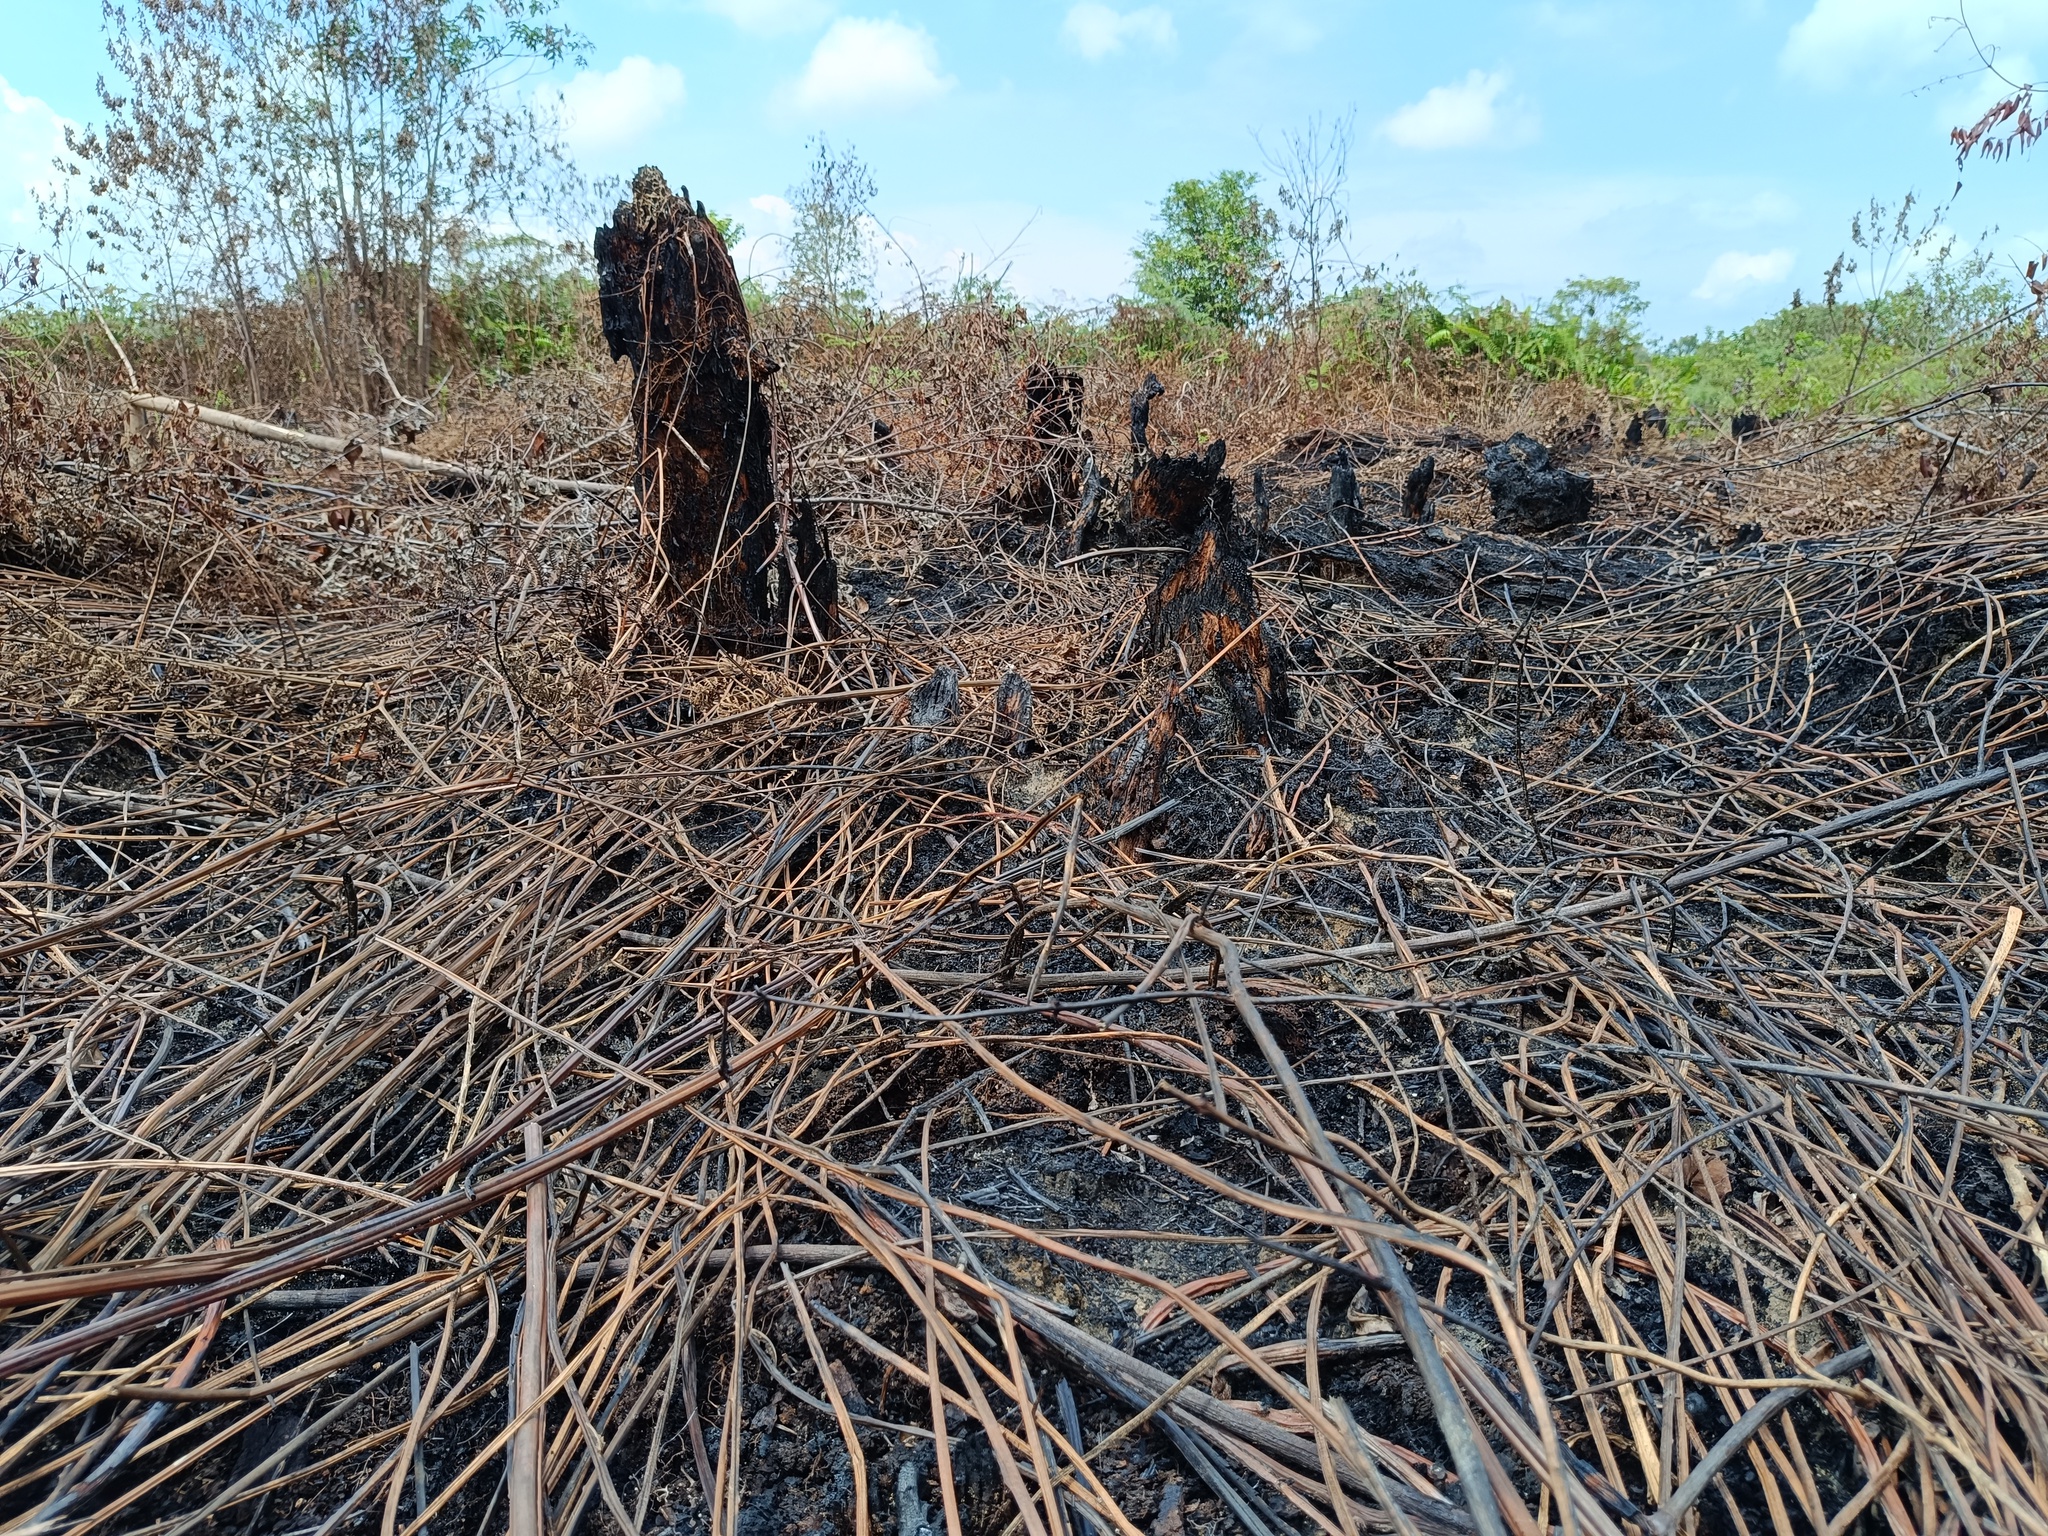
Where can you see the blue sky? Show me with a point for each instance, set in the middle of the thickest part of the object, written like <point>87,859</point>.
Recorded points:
<point>1713,151</point>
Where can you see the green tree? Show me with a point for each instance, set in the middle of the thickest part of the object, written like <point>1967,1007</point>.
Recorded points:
<point>832,250</point>
<point>1211,251</point>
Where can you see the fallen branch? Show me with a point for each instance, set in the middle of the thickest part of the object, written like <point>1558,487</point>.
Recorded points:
<point>270,432</point>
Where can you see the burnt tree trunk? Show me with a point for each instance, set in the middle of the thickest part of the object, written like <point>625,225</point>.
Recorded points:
<point>1169,492</point>
<point>750,568</point>
<point>1206,605</point>
<point>1049,483</point>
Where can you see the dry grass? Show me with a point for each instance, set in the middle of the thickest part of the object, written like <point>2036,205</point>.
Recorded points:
<point>913,1148</point>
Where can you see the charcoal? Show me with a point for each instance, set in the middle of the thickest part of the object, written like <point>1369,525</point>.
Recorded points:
<point>1529,495</point>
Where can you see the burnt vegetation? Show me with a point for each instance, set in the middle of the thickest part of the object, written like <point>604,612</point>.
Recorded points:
<point>753,935</point>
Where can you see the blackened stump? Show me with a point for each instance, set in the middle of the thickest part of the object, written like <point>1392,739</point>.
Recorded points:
<point>1169,493</point>
<point>1415,504</point>
<point>1049,482</point>
<point>1014,714</point>
<point>809,603</point>
<point>1341,499</point>
<point>1206,604</point>
<point>1531,496</point>
<point>1131,776</point>
<point>671,303</point>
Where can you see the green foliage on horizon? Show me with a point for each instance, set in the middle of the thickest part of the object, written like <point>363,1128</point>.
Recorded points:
<point>1590,329</point>
<point>1210,254</point>
<point>1888,352</point>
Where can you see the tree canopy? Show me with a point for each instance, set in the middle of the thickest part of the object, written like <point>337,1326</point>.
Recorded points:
<point>1210,252</point>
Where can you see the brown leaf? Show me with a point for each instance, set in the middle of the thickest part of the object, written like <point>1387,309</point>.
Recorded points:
<point>1706,1175</point>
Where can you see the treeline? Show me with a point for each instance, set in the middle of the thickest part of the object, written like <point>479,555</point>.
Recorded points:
<point>317,202</point>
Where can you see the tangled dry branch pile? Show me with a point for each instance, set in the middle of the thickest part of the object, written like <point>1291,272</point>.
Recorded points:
<point>472,1064</point>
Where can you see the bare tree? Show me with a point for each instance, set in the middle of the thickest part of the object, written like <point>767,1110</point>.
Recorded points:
<point>832,249</point>
<point>327,153</point>
<point>1312,168</point>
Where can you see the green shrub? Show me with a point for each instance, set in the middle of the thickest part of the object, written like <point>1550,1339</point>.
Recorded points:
<point>519,304</point>
<point>1590,329</point>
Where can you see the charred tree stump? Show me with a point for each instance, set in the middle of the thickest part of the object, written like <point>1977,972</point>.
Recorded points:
<point>1341,499</point>
<point>1207,606</point>
<point>1415,491</point>
<point>1050,480</point>
<point>1131,778</point>
<point>1169,493</point>
<point>1530,495</point>
<point>1014,715</point>
<point>931,704</point>
<point>1087,528</point>
<point>746,562</point>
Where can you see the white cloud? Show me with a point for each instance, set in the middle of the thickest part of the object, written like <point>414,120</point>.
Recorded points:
<point>1467,115</point>
<point>863,65</point>
<point>1095,31</point>
<point>605,112</point>
<point>1580,23</point>
<point>1841,41</point>
<point>770,16</point>
<point>1734,271</point>
<point>775,212</point>
<point>31,136</point>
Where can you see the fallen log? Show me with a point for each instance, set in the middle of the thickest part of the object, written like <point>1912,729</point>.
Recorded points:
<point>730,548</point>
<point>353,448</point>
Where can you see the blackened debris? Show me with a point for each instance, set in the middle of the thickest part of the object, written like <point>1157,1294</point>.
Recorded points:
<point>1415,504</point>
<point>1529,495</point>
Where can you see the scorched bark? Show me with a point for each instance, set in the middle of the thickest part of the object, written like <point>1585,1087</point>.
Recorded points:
<point>730,549</point>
